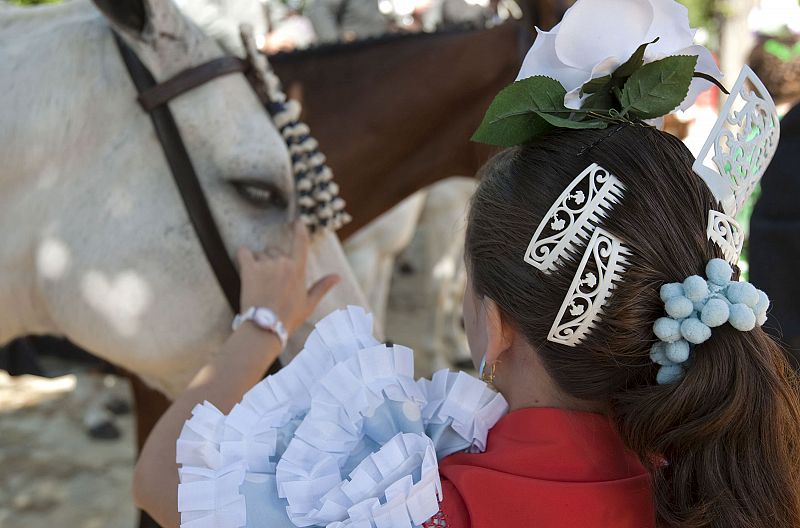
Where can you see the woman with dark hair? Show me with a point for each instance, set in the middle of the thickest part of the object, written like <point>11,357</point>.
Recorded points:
<point>625,378</point>
<point>720,446</point>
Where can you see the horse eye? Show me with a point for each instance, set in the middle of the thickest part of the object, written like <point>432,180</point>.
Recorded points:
<point>260,194</point>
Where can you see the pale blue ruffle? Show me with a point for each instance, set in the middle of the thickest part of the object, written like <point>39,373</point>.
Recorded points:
<point>341,437</point>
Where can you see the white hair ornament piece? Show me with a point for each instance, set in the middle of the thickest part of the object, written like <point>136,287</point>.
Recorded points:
<point>744,140</point>
<point>726,233</point>
<point>579,209</point>
<point>590,288</point>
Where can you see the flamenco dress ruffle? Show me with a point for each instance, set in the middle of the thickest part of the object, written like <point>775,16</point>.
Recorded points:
<point>343,436</point>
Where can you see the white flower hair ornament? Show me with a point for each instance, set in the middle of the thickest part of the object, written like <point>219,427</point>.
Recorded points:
<point>581,49</point>
<point>583,74</point>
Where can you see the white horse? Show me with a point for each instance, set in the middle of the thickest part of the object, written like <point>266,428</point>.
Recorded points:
<point>425,232</point>
<point>95,243</point>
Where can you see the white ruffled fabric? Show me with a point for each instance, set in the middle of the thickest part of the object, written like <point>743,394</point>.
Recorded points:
<point>341,437</point>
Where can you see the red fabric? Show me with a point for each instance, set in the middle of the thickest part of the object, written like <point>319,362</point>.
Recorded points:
<point>548,468</point>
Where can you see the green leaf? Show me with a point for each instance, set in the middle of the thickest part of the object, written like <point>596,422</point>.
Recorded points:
<point>514,117</point>
<point>659,87</point>
<point>617,78</point>
<point>596,85</point>
<point>563,122</point>
<point>635,62</point>
<point>599,101</point>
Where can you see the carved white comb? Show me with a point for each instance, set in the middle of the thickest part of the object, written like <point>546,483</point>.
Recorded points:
<point>573,216</point>
<point>744,140</point>
<point>590,288</point>
<point>726,233</point>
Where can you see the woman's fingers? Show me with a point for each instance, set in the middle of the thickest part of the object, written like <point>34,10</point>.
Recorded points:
<point>320,289</point>
<point>245,257</point>
<point>299,250</point>
<point>271,252</point>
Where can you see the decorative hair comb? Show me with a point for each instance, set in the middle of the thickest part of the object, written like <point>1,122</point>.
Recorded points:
<point>726,233</point>
<point>600,269</point>
<point>570,220</point>
<point>573,218</point>
<point>744,140</point>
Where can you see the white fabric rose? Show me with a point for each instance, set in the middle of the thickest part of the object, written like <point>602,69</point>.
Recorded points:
<point>595,37</point>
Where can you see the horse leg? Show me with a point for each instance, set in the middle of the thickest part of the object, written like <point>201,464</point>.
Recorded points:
<point>98,421</point>
<point>371,252</point>
<point>438,286</point>
<point>149,405</point>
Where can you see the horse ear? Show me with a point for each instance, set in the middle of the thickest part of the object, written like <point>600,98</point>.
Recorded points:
<point>127,14</point>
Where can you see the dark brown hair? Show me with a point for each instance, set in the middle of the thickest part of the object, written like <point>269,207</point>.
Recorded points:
<point>781,78</point>
<point>730,430</point>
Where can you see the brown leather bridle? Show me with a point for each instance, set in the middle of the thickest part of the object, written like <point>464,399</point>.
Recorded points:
<point>153,97</point>
<point>318,203</point>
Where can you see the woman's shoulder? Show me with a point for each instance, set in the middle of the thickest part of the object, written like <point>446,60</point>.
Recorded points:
<point>550,468</point>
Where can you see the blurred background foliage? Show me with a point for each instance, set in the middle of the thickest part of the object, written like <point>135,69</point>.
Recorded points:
<point>704,13</point>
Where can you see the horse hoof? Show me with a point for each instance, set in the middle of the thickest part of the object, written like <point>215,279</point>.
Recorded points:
<point>104,431</point>
<point>118,406</point>
<point>406,268</point>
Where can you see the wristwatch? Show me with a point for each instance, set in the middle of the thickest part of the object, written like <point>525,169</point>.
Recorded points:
<point>265,319</point>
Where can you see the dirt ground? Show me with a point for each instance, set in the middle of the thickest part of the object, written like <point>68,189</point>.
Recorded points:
<point>51,473</point>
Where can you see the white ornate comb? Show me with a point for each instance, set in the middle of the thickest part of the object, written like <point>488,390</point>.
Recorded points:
<point>726,233</point>
<point>590,288</point>
<point>572,217</point>
<point>744,140</point>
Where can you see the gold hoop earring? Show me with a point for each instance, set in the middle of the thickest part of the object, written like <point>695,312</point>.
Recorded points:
<point>487,376</point>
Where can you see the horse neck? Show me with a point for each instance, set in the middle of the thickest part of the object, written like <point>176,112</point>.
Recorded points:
<point>396,115</point>
<point>52,98</point>
<point>61,115</point>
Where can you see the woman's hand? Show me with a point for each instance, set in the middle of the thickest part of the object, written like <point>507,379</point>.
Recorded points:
<point>270,280</point>
<point>277,281</point>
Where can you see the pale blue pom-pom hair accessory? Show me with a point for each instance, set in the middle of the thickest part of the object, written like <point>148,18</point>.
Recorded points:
<point>696,306</point>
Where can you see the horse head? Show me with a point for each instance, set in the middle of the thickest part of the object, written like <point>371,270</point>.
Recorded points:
<point>241,158</point>
<point>97,243</point>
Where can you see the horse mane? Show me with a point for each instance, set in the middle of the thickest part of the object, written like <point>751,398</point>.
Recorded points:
<point>341,48</point>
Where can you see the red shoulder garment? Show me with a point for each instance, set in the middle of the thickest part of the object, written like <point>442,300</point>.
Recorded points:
<point>547,468</point>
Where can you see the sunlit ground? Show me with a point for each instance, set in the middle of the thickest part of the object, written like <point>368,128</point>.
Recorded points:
<point>51,473</point>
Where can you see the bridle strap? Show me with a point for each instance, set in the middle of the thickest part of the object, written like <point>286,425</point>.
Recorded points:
<point>183,172</point>
<point>155,96</point>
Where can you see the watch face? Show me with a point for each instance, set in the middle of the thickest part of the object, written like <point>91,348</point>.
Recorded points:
<point>264,318</point>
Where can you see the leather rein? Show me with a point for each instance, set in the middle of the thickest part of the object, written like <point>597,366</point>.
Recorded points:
<point>153,97</point>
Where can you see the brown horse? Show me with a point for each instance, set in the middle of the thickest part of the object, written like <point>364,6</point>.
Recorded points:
<point>395,114</point>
